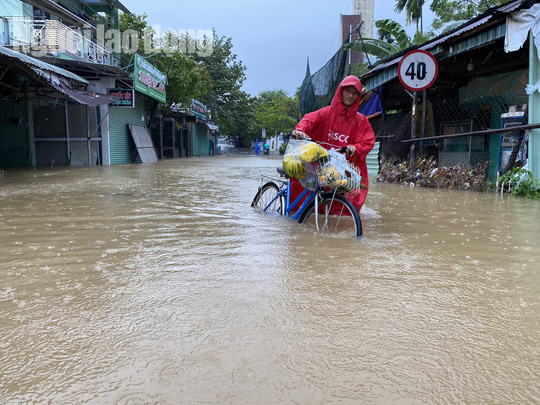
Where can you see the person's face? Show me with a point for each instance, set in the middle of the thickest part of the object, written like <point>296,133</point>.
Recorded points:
<point>349,94</point>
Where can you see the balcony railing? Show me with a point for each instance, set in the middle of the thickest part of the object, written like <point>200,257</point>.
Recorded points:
<point>52,36</point>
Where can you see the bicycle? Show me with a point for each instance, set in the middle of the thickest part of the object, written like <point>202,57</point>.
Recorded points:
<point>323,210</point>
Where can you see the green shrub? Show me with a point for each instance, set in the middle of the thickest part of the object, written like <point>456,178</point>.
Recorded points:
<point>521,182</point>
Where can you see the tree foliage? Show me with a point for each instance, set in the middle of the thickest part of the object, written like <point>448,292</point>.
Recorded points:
<point>277,112</point>
<point>186,78</point>
<point>413,12</point>
<point>448,11</point>
<point>391,31</point>
<point>521,182</point>
<point>215,78</point>
<point>239,119</point>
<point>233,107</point>
<point>392,37</point>
<point>227,72</point>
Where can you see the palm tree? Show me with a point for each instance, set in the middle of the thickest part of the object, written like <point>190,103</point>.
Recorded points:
<point>390,30</point>
<point>413,11</point>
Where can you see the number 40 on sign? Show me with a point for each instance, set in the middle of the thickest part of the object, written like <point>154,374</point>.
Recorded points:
<point>418,70</point>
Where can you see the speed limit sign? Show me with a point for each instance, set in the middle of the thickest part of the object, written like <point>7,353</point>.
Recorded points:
<point>418,70</point>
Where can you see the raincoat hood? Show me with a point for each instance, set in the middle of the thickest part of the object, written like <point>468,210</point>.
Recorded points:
<point>348,81</point>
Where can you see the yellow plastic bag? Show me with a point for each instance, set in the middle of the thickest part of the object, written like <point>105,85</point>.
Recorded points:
<point>300,152</point>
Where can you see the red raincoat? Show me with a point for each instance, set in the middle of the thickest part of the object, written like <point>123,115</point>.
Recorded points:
<point>339,126</point>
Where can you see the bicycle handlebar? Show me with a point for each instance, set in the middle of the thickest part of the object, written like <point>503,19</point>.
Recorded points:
<point>343,149</point>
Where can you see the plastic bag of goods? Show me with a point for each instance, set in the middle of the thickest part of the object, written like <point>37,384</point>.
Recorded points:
<point>300,152</point>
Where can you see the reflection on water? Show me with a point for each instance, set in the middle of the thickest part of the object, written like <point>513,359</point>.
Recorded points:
<point>158,284</point>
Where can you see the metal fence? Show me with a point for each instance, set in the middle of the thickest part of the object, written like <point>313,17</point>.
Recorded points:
<point>456,114</point>
<point>467,111</point>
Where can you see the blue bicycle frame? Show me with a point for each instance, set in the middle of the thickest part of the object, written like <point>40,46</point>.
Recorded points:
<point>310,196</point>
<point>289,207</point>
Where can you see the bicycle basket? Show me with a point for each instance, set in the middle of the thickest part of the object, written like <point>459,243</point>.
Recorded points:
<point>340,175</point>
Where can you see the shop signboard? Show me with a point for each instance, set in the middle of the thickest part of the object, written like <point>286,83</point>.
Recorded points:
<point>148,80</point>
<point>126,97</point>
<point>198,109</point>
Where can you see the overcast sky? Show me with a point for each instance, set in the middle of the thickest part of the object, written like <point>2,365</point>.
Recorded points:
<point>272,38</point>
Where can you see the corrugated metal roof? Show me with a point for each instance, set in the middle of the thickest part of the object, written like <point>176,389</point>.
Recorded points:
<point>36,63</point>
<point>210,126</point>
<point>457,33</point>
<point>474,41</point>
<point>59,79</point>
<point>84,97</point>
<point>387,75</point>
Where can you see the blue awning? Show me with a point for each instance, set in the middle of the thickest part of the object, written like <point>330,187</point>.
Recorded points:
<point>212,127</point>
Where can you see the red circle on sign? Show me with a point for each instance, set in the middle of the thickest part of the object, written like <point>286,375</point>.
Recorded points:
<point>412,58</point>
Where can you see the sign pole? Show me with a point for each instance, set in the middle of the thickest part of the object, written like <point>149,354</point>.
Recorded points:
<point>424,113</point>
<point>88,137</point>
<point>413,129</point>
<point>424,106</point>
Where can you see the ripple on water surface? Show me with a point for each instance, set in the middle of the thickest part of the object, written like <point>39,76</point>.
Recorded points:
<point>159,284</point>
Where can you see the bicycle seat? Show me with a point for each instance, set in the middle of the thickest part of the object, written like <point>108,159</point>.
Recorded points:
<point>282,172</point>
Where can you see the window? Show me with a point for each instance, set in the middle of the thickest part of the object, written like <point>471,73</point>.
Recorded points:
<point>456,144</point>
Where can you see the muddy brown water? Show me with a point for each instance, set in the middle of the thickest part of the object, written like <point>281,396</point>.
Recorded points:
<point>158,284</point>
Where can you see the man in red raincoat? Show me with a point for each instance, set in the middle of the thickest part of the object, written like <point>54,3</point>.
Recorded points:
<point>340,124</point>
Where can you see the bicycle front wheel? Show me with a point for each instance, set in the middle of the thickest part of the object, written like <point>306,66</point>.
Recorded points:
<point>269,200</point>
<point>334,215</point>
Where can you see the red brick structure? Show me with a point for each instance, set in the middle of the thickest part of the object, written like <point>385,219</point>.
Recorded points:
<point>348,24</point>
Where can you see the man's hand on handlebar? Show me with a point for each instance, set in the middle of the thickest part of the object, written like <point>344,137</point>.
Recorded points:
<point>348,150</point>
<point>297,134</point>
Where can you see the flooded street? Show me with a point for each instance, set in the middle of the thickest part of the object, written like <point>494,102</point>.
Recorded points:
<point>158,284</point>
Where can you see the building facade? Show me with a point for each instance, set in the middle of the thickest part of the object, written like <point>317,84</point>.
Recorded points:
<point>58,82</point>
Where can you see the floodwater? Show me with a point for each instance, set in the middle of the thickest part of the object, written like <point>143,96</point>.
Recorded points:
<point>158,284</point>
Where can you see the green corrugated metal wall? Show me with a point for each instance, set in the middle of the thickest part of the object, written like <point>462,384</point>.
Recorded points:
<point>372,160</point>
<point>121,145</point>
<point>200,140</point>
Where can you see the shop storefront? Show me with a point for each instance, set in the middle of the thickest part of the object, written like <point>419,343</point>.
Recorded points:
<point>202,132</point>
<point>121,146</point>
<point>46,116</point>
<point>148,83</point>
